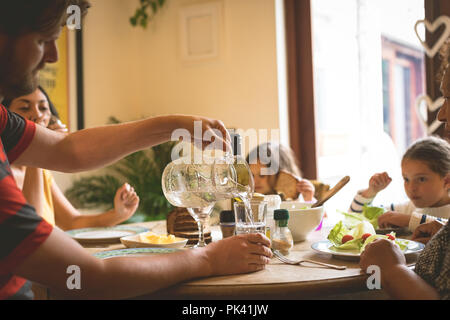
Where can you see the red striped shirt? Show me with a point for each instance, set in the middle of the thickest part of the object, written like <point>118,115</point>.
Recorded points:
<point>22,231</point>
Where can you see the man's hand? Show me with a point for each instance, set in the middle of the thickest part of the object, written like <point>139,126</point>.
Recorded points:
<point>426,231</point>
<point>212,131</point>
<point>239,254</point>
<point>382,253</point>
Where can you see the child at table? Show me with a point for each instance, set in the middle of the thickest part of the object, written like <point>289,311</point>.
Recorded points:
<point>426,173</point>
<point>279,158</point>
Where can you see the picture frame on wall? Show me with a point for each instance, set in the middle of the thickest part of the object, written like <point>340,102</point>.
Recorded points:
<point>63,80</point>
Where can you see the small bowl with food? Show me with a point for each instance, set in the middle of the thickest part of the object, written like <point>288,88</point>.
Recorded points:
<point>302,218</point>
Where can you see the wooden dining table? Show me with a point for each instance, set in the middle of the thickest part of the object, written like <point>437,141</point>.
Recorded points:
<point>278,280</point>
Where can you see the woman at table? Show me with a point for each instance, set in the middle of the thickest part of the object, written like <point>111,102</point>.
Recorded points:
<point>39,187</point>
<point>266,171</point>
<point>431,276</point>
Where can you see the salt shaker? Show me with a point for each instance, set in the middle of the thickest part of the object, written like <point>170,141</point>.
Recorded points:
<point>282,238</point>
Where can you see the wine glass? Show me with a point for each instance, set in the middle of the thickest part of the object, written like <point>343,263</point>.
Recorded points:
<point>201,216</point>
<point>198,186</point>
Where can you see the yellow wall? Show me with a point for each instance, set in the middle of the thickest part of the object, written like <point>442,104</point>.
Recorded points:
<point>131,72</point>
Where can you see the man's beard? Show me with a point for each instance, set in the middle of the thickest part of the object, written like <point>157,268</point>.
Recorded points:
<point>14,81</point>
<point>19,88</point>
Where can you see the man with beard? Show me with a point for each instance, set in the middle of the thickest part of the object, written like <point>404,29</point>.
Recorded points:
<point>30,248</point>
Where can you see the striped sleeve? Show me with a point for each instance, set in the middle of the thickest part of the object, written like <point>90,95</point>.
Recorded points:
<point>358,203</point>
<point>418,219</point>
<point>16,133</point>
<point>21,230</point>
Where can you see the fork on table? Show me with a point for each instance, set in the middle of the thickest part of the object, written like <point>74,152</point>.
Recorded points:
<point>286,260</point>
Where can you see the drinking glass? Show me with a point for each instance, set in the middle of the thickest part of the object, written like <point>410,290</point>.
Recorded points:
<point>250,218</point>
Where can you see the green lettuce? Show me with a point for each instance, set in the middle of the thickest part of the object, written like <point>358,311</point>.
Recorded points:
<point>336,234</point>
<point>362,228</point>
<point>357,230</point>
<point>369,214</point>
<point>372,214</point>
<point>340,230</point>
<point>403,244</point>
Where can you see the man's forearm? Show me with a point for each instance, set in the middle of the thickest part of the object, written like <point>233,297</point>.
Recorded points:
<point>115,278</point>
<point>97,147</point>
<point>146,276</point>
<point>402,283</point>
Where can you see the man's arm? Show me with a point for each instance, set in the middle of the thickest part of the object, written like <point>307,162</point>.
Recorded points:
<point>398,281</point>
<point>125,277</point>
<point>97,147</point>
<point>404,284</point>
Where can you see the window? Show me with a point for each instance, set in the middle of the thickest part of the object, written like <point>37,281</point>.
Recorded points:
<point>368,72</point>
<point>403,82</point>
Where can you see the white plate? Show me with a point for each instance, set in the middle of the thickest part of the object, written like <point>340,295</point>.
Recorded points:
<point>326,246</point>
<point>104,235</point>
<point>134,241</point>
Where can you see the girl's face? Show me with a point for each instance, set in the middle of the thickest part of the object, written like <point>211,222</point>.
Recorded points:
<point>262,182</point>
<point>33,107</point>
<point>424,187</point>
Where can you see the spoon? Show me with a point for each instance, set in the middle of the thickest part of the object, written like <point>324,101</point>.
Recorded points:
<point>332,192</point>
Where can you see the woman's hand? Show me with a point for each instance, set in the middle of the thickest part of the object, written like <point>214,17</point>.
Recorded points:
<point>57,125</point>
<point>306,188</point>
<point>426,231</point>
<point>382,253</point>
<point>393,219</point>
<point>377,182</point>
<point>126,202</point>
<point>239,254</point>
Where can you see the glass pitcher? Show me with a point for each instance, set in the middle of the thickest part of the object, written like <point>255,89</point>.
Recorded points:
<point>198,186</point>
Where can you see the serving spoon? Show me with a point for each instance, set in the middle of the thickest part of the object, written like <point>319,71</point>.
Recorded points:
<point>332,192</point>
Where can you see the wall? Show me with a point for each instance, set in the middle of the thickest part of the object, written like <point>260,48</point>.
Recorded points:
<point>132,73</point>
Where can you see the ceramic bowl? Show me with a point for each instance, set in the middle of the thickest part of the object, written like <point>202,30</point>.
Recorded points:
<point>302,218</point>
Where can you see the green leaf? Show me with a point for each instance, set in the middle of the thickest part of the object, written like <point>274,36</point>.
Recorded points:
<point>142,17</point>
<point>154,7</point>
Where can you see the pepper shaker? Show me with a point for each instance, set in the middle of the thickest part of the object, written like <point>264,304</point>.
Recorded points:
<point>227,223</point>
